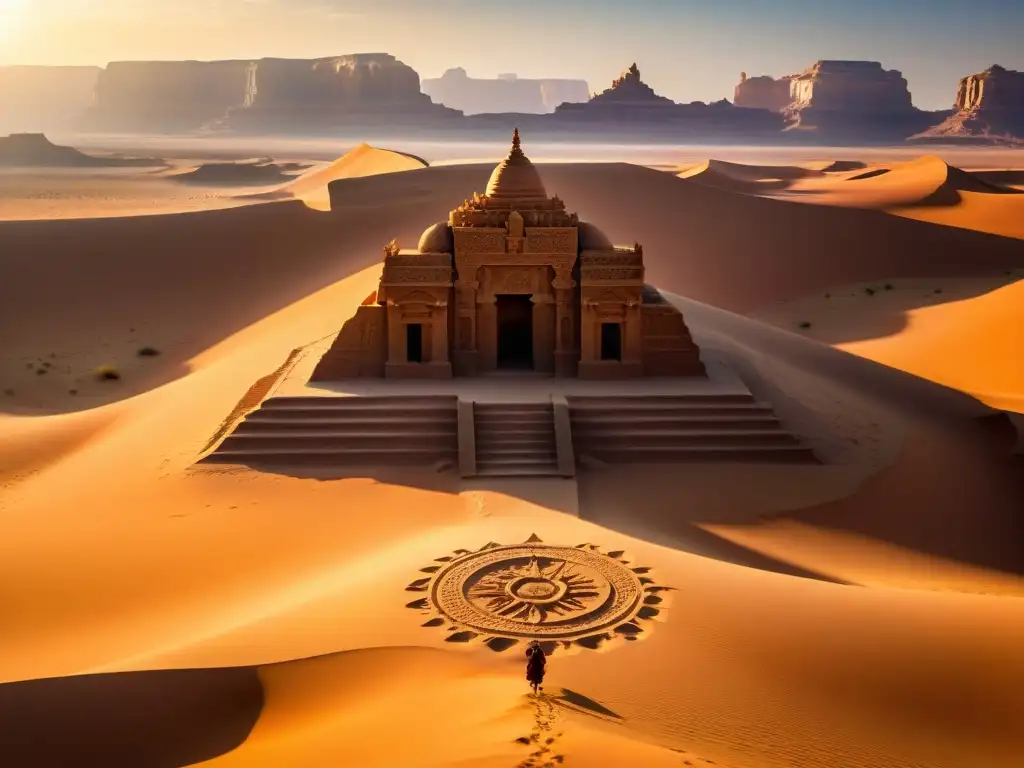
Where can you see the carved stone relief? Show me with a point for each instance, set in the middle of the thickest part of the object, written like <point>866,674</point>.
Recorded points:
<point>480,242</point>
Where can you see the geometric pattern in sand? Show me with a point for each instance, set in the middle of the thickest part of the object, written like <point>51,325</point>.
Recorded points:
<point>559,595</point>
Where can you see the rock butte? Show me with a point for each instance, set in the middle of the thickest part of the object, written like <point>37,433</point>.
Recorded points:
<point>265,93</point>
<point>988,104</point>
<point>507,93</point>
<point>839,98</point>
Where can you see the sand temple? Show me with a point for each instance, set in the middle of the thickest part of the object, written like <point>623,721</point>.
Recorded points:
<point>513,281</point>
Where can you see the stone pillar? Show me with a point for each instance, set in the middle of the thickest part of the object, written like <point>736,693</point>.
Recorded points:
<point>439,346</point>
<point>439,366</point>
<point>588,330</point>
<point>632,335</point>
<point>544,332</point>
<point>396,336</point>
<point>466,362</point>
<point>564,319</point>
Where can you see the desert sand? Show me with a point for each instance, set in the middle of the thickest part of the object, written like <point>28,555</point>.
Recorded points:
<point>180,184</point>
<point>865,612</point>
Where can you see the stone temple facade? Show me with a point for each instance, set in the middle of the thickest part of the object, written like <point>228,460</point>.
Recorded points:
<point>513,281</point>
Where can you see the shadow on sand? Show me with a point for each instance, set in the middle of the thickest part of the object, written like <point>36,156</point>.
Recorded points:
<point>874,311</point>
<point>158,719</point>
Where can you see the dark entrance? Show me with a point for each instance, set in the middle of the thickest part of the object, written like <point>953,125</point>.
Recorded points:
<point>515,331</point>
<point>414,343</point>
<point>611,341</point>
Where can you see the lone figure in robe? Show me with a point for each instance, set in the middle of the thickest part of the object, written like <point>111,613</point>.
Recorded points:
<point>535,661</point>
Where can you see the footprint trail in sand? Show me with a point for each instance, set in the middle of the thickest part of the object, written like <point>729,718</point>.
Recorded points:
<point>543,737</point>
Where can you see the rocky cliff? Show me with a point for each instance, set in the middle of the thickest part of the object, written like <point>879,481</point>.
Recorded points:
<point>631,101</point>
<point>260,95</point>
<point>988,105</point>
<point>166,96</point>
<point>322,93</point>
<point>763,92</point>
<point>854,100</point>
<point>44,98</point>
<point>508,93</point>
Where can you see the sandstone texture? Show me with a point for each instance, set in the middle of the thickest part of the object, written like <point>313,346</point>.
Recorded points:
<point>45,98</point>
<point>763,92</point>
<point>854,100</point>
<point>508,93</point>
<point>989,105</point>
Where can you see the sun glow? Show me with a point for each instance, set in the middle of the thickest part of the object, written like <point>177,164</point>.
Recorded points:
<point>10,16</point>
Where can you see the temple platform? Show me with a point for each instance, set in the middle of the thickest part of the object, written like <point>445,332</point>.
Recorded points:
<point>508,423</point>
<point>499,386</point>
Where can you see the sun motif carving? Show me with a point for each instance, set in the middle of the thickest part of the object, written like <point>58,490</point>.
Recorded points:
<point>566,596</point>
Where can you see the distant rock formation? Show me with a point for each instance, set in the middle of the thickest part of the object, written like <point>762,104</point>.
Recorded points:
<point>267,94</point>
<point>989,105</point>
<point>363,88</point>
<point>456,89</point>
<point>854,100</point>
<point>166,96</point>
<point>45,98</point>
<point>630,89</point>
<point>631,101</point>
<point>763,92</point>
<point>34,150</point>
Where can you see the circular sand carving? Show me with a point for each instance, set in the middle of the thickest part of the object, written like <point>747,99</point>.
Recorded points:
<point>538,591</point>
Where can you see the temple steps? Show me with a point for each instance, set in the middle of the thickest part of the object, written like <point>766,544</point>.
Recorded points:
<point>310,456</point>
<point>689,437</point>
<point>642,401</point>
<point>328,425</point>
<point>671,428</point>
<point>515,439</point>
<point>658,423</point>
<point>345,431</point>
<point>331,440</point>
<point>631,410</point>
<point>708,453</point>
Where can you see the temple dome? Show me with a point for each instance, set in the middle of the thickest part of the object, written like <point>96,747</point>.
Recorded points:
<point>593,239</point>
<point>516,178</point>
<point>437,238</point>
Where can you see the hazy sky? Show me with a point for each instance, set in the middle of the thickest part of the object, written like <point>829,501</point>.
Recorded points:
<point>687,50</point>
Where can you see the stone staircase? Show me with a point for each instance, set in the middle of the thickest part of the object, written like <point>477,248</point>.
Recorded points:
<point>515,439</point>
<point>673,428</point>
<point>366,431</point>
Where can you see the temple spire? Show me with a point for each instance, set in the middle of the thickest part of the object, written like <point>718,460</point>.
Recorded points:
<point>516,148</point>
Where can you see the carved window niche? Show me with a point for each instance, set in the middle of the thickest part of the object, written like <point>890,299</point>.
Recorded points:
<point>414,342</point>
<point>611,342</point>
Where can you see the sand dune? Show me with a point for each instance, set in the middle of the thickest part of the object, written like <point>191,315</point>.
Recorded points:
<point>974,345</point>
<point>364,160</point>
<point>752,179</point>
<point>927,189</point>
<point>253,172</point>
<point>837,166</point>
<point>153,563</point>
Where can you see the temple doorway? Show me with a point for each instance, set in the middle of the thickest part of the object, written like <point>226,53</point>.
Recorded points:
<point>515,331</point>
